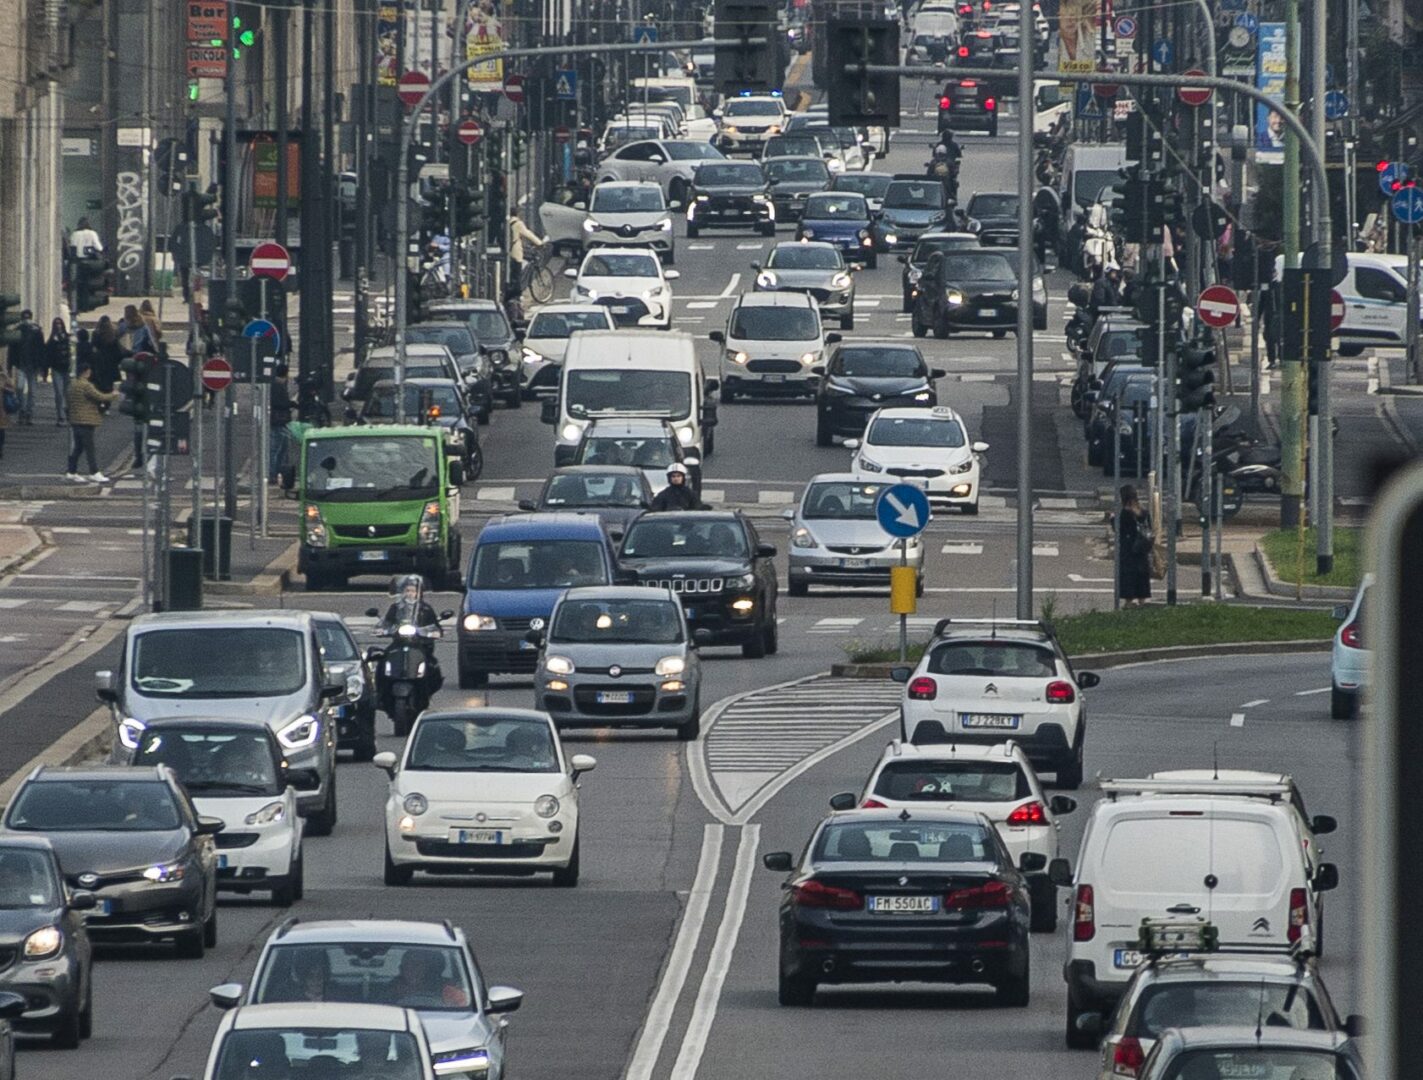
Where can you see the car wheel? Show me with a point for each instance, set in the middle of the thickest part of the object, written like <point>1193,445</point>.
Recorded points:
<point>795,990</point>
<point>485,412</point>
<point>1341,704</point>
<point>514,399</point>
<point>472,680</point>
<point>906,305</point>
<point>970,509</point>
<point>210,928</point>
<point>396,875</point>
<point>1044,898</point>
<point>1077,1040</point>
<point>1014,991</point>
<point>872,262</point>
<point>1094,453</point>
<point>847,322</point>
<point>565,877</point>
<point>69,1032</point>
<point>999,335</point>
<point>189,946</point>
<point>284,895</point>
<point>86,1014</point>
<point>919,328</point>
<point>365,747</point>
<point>670,259</point>
<point>755,648</point>
<point>1069,772</point>
<point>689,731</point>
<point>919,587</point>
<point>316,581</point>
<point>324,820</point>
<point>823,435</point>
<point>941,330</point>
<point>677,191</point>
<point>773,637</point>
<point>798,588</point>
<point>1351,350</point>
<point>768,229</point>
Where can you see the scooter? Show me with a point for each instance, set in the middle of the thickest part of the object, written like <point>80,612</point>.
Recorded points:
<point>407,676</point>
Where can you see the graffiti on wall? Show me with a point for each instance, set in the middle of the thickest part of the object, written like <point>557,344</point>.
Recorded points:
<point>132,233</point>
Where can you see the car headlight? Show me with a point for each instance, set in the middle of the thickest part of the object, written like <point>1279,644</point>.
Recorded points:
<point>731,129</point>
<point>474,621</point>
<point>807,233</point>
<point>870,466</point>
<point>702,198</point>
<point>546,806</point>
<point>742,581</point>
<point>571,432</point>
<point>559,665</point>
<point>670,665</point>
<point>415,804</point>
<point>685,435</point>
<point>737,357</point>
<point>429,532</point>
<point>766,279</point>
<point>471,1063</point>
<point>923,395</point>
<point>45,941</point>
<point>531,357</point>
<point>665,224</point>
<point>807,358</point>
<point>1014,297</point>
<point>958,470</point>
<point>841,280</point>
<point>164,873</point>
<point>589,225</point>
<point>759,199</point>
<point>835,165</point>
<point>802,538</point>
<point>316,535</point>
<point>890,238</point>
<point>654,292</point>
<point>270,814</point>
<point>954,297</point>
<point>300,733</point>
<point>130,731</point>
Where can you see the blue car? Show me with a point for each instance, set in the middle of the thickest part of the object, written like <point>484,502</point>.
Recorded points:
<point>912,207</point>
<point>520,566</point>
<point>841,218</point>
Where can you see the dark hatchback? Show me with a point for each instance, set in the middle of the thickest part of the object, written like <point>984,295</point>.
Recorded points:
<point>993,215</point>
<point>863,377</point>
<point>915,260</point>
<point>886,896</point>
<point>472,362</point>
<point>496,338</point>
<point>969,104</point>
<point>793,179</point>
<point>963,291</point>
<point>435,403</point>
<point>1133,424</point>
<point>730,194</point>
<point>615,494</point>
<point>717,564</point>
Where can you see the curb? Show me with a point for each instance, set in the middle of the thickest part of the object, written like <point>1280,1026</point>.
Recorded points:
<point>272,580</point>
<point>1288,589</point>
<point>34,543</point>
<point>87,741</point>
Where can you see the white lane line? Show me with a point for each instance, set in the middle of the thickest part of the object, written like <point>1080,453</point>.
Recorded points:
<point>863,302</point>
<point>961,549</point>
<point>1311,693</point>
<point>748,247</point>
<point>701,305</point>
<point>694,1043</point>
<point>679,961</point>
<point>495,494</point>
<point>76,529</point>
<point>775,497</point>
<point>1237,719</point>
<point>1257,701</point>
<point>689,318</point>
<point>966,589</point>
<point>10,605</point>
<point>701,247</point>
<point>1045,550</point>
<point>730,289</point>
<point>1080,579</point>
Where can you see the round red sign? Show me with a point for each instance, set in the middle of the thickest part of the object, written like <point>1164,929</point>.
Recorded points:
<point>1194,95</point>
<point>216,374</point>
<point>561,134</point>
<point>1218,306</point>
<point>514,88</point>
<point>270,259</point>
<point>412,87</point>
<point>469,132</point>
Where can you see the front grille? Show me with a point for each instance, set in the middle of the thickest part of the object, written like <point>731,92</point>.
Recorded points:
<point>446,850</point>
<point>621,671</point>
<point>236,839</point>
<point>8,955</point>
<point>774,367</point>
<point>643,698</point>
<point>916,472</point>
<point>518,626</point>
<point>687,585</point>
<point>631,310</point>
<point>370,532</point>
<point>821,295</point>
<point>495,657</point>
<point>730,202</point>
<point>105,880</point>
<point>854,550</point>
<point>993,299</point>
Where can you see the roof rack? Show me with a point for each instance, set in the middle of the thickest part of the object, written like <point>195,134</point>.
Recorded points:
<point>1171,937</point>
<point>287,924</point>
<point>449,929</point>
<point>1236,788</point>
<point>1040,624</point>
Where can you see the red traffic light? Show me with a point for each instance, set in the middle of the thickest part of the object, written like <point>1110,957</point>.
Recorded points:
<point>1380,166</point>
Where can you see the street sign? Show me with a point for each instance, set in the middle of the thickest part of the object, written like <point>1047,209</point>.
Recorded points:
<point>216,374</point>
<point>561,134</point>
<point>264,332</point>
<point>1105,90</point>
<point>565,85</point>
<point>1194,96</point>
<point>469,132</point>
<point>902,510</point>
<point>270,260</point>
<point>1336,310</point>
<point>1125,27</point>
<point>1163,52</point>
<point>514,88</point>
<point>644,33</point>
<point>1091,110</point>
<point>1408,205</point>
<point>1336,105</point>
<point>1218,306</point>
<point>1395,170</point>
<point>412,87</point>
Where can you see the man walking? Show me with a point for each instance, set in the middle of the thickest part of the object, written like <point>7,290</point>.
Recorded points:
<point>281,406</point>
<point>26,361</point>
<point>84,417</point>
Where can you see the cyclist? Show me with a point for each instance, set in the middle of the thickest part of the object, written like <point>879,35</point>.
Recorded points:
<point>518,233</point>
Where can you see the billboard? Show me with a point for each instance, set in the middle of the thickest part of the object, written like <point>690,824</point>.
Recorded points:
<point>1077,28</point>
<point>1270,66</point>
<point>484,34</point>
<point>387,44</point>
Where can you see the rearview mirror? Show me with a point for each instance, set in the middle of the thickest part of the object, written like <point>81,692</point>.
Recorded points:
<point>1355,1026</point>
<point>671,275</point>
<point>902,258</point>
<point>332,686</point>
<point>755,266</point>
<point>900,674</point>
<point>937,373</point>
<point>1062,804</point>
<point>1030,862</point>
<point>528,505</point>
<point>1059,872</point>
<point>226,996</point>
<point>582,763</point>
<point>845,800</point>
<point>504,999</point>
<point>765,551</point>
<point>1326,877</point>
<point>980,447</point>
<point>778,860</point>
<point>788,513</point>
<point>702,636</point>
<point>851,444</point>
<point>818,369</point>
<point>1089,1024</point>
<point>82,900</point>
<point>106,686</point>
<point>1321,824</point>
<point>372,613</point>
<point>385,762</point>
<point>1088,679</point>
<point>717,336</point>
<point>304,779</point>
<point>692,462</point>
<point>210,826</point>
<point>580,206</point>
<point>570,272</point>
<point>833,338</point>
<point>1341,611</point>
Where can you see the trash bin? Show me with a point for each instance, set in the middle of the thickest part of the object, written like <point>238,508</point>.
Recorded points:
<point>205,542</point>
<point>185,579</point>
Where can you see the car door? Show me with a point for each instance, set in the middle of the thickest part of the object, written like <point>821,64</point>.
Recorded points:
<point>204,848</point>
<point>629,162</point>
<point>1379,304</point>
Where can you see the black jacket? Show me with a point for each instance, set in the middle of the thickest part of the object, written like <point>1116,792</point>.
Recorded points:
<point>676,497</point>
<point>27,354</point>
<point>281,404</point>
<point>426,615</point>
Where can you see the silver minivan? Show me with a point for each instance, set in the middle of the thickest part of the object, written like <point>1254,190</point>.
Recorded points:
<point>248,665</point>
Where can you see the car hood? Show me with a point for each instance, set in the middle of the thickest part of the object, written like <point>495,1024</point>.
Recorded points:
<point>448,1031</point>
<point>639,219</point>
<point>106,852</point>
<point>686,567</point>
<point>512,603</point>
<point>619,286</point>
<point>805,279</point>
<point>895,215</point>
<point>272,710</point>
<point>550,348</point>
<point>834,226</point>
<point>625,655</point>
<point>996,221</point>
<point>847,532</point>
<point>797,187</point>
<point>869,387</point>
<point>917,457</point>
<point>233,809</point>
<point>733,189</point>
<point>471,787</point>
<point>16,924</point>
<point>615,518</point>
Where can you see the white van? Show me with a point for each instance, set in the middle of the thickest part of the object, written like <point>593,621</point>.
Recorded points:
<point>1375,293</point>
<point>696,123</point>
<point>627,373</point>
<point>1236,863</point>
<point>1087,168</point>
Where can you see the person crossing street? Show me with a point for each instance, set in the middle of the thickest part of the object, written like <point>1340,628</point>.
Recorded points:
<point>84,418</point>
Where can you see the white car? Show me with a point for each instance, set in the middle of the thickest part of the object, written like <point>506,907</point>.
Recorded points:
<point>987,680</point>
<point>1349,664</point>
<point>772,342</point>
<point>629,282</point>
<point>928,444</point>
<point>745,123</point>
<point>482,790</point>
<point>668,162</point>
<point>628,213</point>
<point>997,781</point>
<point>546,341</point>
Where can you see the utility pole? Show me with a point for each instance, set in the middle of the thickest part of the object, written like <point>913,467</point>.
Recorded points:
<point>363,14</point>
<point>1025,313</point>
<point>1322,481</point>
<point>281,49</point>
<point>1292,381</point>
<point>224,449</point>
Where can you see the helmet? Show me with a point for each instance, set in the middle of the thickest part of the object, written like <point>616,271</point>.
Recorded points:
<point>940,151</point>
<point>676,468</point>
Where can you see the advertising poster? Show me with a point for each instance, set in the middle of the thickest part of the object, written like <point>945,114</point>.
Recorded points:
<point>1270,80</point>
<point>387,44</point>
<point>1237,30</point>
<point>1078,32</point>
<point>484,34</point>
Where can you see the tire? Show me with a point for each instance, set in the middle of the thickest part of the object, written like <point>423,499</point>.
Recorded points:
<point>365,749</point>
<point>1075,1039</point>
<point>285,894</point>
<point>485,414</point>
<point>773,637</point>
<point>1044,897</point>
<point>768,229</point>
<point>473,680</point>
<point>514,399</point>
<point>316,581</point>
<point>670,259</point>
<point>941,330</point>
<point>69,1032</point>
<point>847,322</point>
<point>755,649</point>
<point>906,305</point>
<point>1341,704</point>
<point>872,263</point>
<point>1351,350</point>
<point>299,892</point>
<point>396,875</point>
<point>189,946</point>
<point>402,715</point>
<point>566,877</point>
<point>795,991</point>
<point>475,469</point>
<point>919,329</point>
<point>210,929</point>
<point>324,820</point>
<point>541,285</point>
<point>1094,454</point>
<point>823,435</point>
<point>86,1014</point>
<point>689,731</point>
<point>970,509</point>
<point>1069,772</point>
<point>1015,990</point>
<point>692,231</point>
<point>709,442</point>
<point>798,588</point>
<point>919,588</point>
<point>677,191</point>
<point>999,335</point>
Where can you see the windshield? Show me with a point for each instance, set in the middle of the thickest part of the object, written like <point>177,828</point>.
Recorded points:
<point>1013,659</point>
<point>805,257</point>
<point>796,171</point>
<point>792,146</point>
<point>863,362</point>
<point>953,781</point>
<point>1087,184</point>
<point>924,248</point>
<point>916,431</point>
<point>1171,1004</point>
<point>26,880</point>
<point>693,151</point>
<point>578,490</point>
<point>912,195</point>
<point>356,469</point>
<point>424,977</point>
<point>538,564</point>
<point>457,339</point>
<point>94,806</point>
<point>739,175</point>
<point>841,500</point>
<point>751,107</point>
<point>626,622</point>
<point>378,370</point>
<point>867,184</point>
<point>482,744</point>
<point>654,537</point>
<point>654,453</point>
<point>620,135</point>
<point>833,207</point>
<point>219,662</point>
<point>971,266</point>
<point>1117,343</point>
<point>617,199</point>
<point>774,324</point>
<point>910,841</point>
<point>841,137</point>
<point>283,1052</point>
<point>993,206</point>
<point>609,265</point>
<point>561,324</point>
<point>228,762</point>
<point>682,95</point>
<point>608,391</point>
<point>381,404</point>
<point>489,325</point>
<point>1258,1063</point>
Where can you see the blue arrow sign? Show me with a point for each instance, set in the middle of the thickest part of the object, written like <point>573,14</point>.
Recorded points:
<point>643,33</point>
<point>1248,21</point>
<point>902,510</point>
<point>566,85</point>
<point>1396,171</point>
<point>1408,205</point>
<point>1163,52</point>
<point>1336,105</point>
<point>261,328</point>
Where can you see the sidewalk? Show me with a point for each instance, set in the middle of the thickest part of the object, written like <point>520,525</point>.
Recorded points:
<point>36,455</point>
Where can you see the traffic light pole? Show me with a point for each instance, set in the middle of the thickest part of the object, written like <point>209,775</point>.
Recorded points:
<point>1322,479</point>
<point>1025,318</point>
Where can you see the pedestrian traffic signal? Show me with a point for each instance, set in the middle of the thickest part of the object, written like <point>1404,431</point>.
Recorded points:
<point>9,319</point>
<point>1145,141</point>
<point>243,37</point>
<point>469,211</point>
<point>1195,385</point>
<point>519,149</point>
<point>93,283</point>
<point>136,397</point>
<point>1164,207</point>
<point>739,65</point>
<point>861,98</point>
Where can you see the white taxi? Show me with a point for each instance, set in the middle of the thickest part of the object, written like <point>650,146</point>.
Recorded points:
<point>930,445</point>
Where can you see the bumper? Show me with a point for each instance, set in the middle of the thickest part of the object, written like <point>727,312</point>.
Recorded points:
<point>733,216</point>
<point>828,568</point>
<point>262,861</point>
<point>770,384</point>
<point>584,703</point>
<point>50,997</point>
<point>966,318</point>
<point>525,848</point>
<point>905,236</point>
<point>790,208</point>
<point>849,415</point>
<point>541,377</point>
<point>355,722</point>
<point>354,559</point>
<point>741,142</point>
<point>497,652</point>
<point>922,954</point>
<point>946,489</point>
<point>968,120</point>
<point>312,757</point>
<point>1086,991</point>
<point>1350,668</point>
<point>1045,745</point>
<point>146,912</point>
<point>656,239</point>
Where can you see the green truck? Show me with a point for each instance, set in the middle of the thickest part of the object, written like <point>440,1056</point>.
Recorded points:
<point>380,500</point>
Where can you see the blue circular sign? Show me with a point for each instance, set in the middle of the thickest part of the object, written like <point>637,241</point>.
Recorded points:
<point>1163,52</point>
<point>1408,205</point>
<point>261,328</point>
<point>902,510</point>
<point>1336,105</point>
<point>1248,21</point>
<point>1396,171</point>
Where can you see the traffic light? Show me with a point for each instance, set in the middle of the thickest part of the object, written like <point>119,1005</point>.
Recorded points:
<point>498,214</point>
<point>1149,346</point>
<point>494,152</point>
<point>469,210</point>
<point>198,206</point>
<point>1164,206</point>
<point>518,147</point>
<point>242,37</point>
<point>739,65</point>
<point>1128,214</point>
<point>1195,386</point>
<point>137,399</point>
<point>435,212</point>
<point>1145,141</point>
<point>9,319</point>
<point>863,98</point>
<point>93,283</point>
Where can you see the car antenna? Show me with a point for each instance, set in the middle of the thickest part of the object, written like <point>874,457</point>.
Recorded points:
<point>1215,759</point>
<point>993,624</point>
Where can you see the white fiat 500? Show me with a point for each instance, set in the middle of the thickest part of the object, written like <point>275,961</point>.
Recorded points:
<point>482,791</point>
<point>930,445</point>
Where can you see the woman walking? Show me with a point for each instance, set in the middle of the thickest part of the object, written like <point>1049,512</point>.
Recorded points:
<point>58,357</point>
<point>85,417</point>
<point>107,354</point>
<point>1135,541</point>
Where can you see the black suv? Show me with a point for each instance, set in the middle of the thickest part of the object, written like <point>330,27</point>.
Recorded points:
<point>730,193</point>
<point>969,104</point>
<point>717,564</point>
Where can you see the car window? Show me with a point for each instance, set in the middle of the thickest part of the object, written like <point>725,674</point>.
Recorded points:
<point>655,537</point>
<point>94,806</point>
<point>561,324</point>
<point>641,151</point>
<point>580,490</point>
<point>1172,856</point>
<point>916,431</point>
<point>219,662</point>
<point>618,265</point>
<point>653,453</point>
<point>927,248</point>
<point>1257,1063</point>
<point>27,880</point>
<point>639,622</point>
<point>216,763</point>
<point>482,743</point>
<point>381,404</point>
<point>356,1053</point>
<point>837,207</point>
<point>805,257</point>
<point>993,206</point>
<point>691,151</point>
<point>913,195</point>
<point>1374,284</point>
<point>611,390</point>
<point>972,266</point>
<point>840,500</point>
<point>457,339</point>
<point>750,107</point>
<point>732,173</point>
<point>796,171</point>
<point>792,146</point>
<point>335,642</point>
<point>868,362</point>
<point>368,973</point>
<point>537,564</point>
<point>616,199</point>
<point>909,841</point>
<point>755,323</point>
<point>867,184</point>
<point>1012,659</point>
<point>953,781</point>
<point>1172,1004</point>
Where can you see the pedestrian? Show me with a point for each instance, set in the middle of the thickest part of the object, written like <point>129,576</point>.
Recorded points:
<point>518,233</point>
<point>85,241</point>
<point>84,352</point>
<point>150,319</point>
<point>1270,322</point>
<point>9,405</point>
<point>135,335</point>
<point>59,358</point>
<point>84,418</point>
<point>281,416</point>
<point>26,361</point>
<point>1135,542</point>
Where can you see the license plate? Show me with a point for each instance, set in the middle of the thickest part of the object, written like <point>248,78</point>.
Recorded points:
<point>222,862</point>
<point>902,905</point>
<point>619,310</point>
<point>989,720</point>
<point>690,612</point>
<point>614,697</point>
<point>101,908</point>
<point>773,378</point>
<point>371,556</point>
<point>1126,958</point>
<point>854,564</point>
<point>477,836</point>
<point>988,313</point>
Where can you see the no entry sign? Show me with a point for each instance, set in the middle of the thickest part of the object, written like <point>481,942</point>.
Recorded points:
<point>1194,96</point>
<point>1218,306</point>
<point>469,132</point>
<point>412,87</point>
<point>514,88</point>
<point>216,374</point>
<point>270,260</point>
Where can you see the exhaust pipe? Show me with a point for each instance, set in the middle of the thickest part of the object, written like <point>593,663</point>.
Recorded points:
<point>827,966</point>
<point>976,966</point>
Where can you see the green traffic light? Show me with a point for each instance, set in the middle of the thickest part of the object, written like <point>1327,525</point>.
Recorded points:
<point>248,38</point>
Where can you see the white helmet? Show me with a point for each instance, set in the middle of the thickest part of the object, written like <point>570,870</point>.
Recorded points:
<point>676,467</point>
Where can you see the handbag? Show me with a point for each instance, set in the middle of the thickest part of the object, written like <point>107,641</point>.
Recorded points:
<point>11,401</point>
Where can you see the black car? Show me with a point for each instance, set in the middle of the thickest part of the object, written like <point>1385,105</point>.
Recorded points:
<point>132,837</point>
<point>914,262</point>
<point>498,341</point>
<point>886,895</point>
<point>613,493</point>
<point>472,362</point>
<point>969,104</point>
<point>355,713</point>
<point>1113,337</point>
<point>718,565</point>
<point>728,194</point>
<point>993,215</point>
<point>1097,428</point>
<point>48,956</point>
<point>968,291</point>
<point>792,179</point>
<point>863,377</point>
<point>437,403</point>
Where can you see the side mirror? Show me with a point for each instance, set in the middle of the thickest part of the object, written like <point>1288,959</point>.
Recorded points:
<point>82,900</point>
<point>211,826</point>
<point>1321,824</point>
<point>980,447</point>
<point>844,800</point>
<point>1059,872</point>
<point>755,266</point>
<point>717,336</point>
<point>818,369</point>
<point>535,638</point>
<point>1326,877</point>
<point>447,614</point>
<point>765,551</point>
<point>834,338</point>
<point>12,1005</point>
<point>780,861</point>
<point>902,258</point>
<point>692,462</point>
<point>675,204</point>
<point>571,273</point>
<point>548,411</point>
<point>788,513</point>
<point>582,763</point>
<point>332,686</point>
<point>304,779</point>
<point>372,653</point>
<point>1355,1026</point>
<point>1088,679</point>
<point>226,996</point>
<point>937,373</point>
<point>106,687</point>
<point>702,637</point>
<point>900,674</point>
<point>1062,804</point>
<point>504,999</point>
<point>1090,1024</point>
<point>385,762</point>
<point>671,275</point>
<point>1030,862</point>
<point>851,444</point>
<point>580,206</point>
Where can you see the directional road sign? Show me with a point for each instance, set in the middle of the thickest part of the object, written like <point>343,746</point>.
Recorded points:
<point>270,260</point>
<point>265,332</point>
<point>1408,205</point>
<point>412,87</point>
<point>565,85</point>
<point>514,88</point>
<point>902,510</point>
<point>1218,306</point>
<point>216,374</point>
<point>1125,27</point>
<point>1396,170</point>
<point>1336,105</point>
<point>1336,310</point>
<point>1163,52</point>
<point>469,132</point>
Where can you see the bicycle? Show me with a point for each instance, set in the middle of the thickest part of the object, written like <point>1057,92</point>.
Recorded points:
<point>536,278</point>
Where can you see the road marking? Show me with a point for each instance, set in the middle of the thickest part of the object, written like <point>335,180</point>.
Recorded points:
<point>495,494</point>
<point>701,247</point>
<point>859,303</point>
<point>85,606</point>
<point>1049,503</point>
<point>76,529</point>
<point>775,497</point>
<point>1045,550</point>
<point>976,376</point>
<point>1237,719</point>
<point>970,590</point>
<point>834,626</point>
<point>1080,579</point>
<point>688,318</point>
<point>730,289</point>
<point>701,305</point>
<point>961,549</point>
<point>9,605</point>
<point>1311,693</point>
<point>679,961</point>
<point>1257,701</point>
<point>749,247</point>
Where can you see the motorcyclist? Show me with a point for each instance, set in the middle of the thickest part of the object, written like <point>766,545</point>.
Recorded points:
<point>678,494</point>
<point>1106,290</point>
<point>410,609</point>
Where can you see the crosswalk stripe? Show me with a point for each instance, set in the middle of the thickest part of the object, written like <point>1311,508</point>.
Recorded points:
<point>958,548</point>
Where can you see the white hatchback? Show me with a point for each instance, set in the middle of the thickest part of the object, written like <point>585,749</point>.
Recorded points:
<point>930,445</point>
<point>483,791</point>
<point>1349,664</point>
<point>629,282</point>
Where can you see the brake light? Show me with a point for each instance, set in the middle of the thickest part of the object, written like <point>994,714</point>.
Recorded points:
<point>1299,913</point>
<point>991,895</point>
<point>872,804</point>
<point>987,5</point>
<point>1128,1057</point>
<point>989,104</point>
<point>923,689</point>
<point>1084,915</point>
<point>1033,813</point>
<point>1060,692</point>
<point>968,83</point>
<point>1352,636</point>
<point>963,52</point>
<point>944,103</point>
<point>965,9</point>
<point>982,33</point>
<point>816,894</point>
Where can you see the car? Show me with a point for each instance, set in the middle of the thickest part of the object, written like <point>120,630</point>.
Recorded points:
<point>472,362</point>
<point>622,131</point>
<point>1099,398</point>
<point>670,163</point>
<point>887,895</point>
<point>234,771</point>
<point>961,291</point>
<point>546,341</point>
<point>436,403</point>
<point>425,966</point>
<point>771,342</point>
<point>629,282</point>
<point>815,268</point>
<point>628,213</point>
<point>993,216</point>
<point>929,444</point>
<point>911,208</point>
<point>731,194</point>
<point>1252,1050</point>
<point>482,791</point>
<point>927,245</point>
<point>861,377</point>
<point>620,656</point>
<point>421,362</point>
<point>986,680</point>
<point>836,538</point>
<point>47,986</point>
<point>745,123</point>
<point>1119,428</point>
<point>843,142</point>
<point>1351,656</point>
<point>874,141</point>
<point>497,339</point>
<point>804,144</point>
<point>872,185</point>
<point>1113,337</point>
<point>793,180</point>
<point>355,712</point>
<point>132,838</point>
<point>648,444</point>
<point>614,494</point>
<point>719,566</point>
<point>968,104</point>
<point>843,220</point>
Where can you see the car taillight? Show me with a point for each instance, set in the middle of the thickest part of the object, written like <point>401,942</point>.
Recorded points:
<point>1299,913</point>
<point>816,894</point>
<point>989,104</point>
<point>1352,636</point>
<point>1128,1057</point>
<point>944,103</point>
<point>965,9</point>
<point>1060,692</point>
<point>963,52</point>
<point>990,895</point>
<point>968,83</point>
<point>1084,917</point>
<point>872,804</point>
<point>923,689</point>
<point>1033,813</point>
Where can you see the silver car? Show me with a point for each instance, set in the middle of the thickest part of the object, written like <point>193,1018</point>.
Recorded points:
<point>546,342</point>
<point>619,656</point>
<point>814,268</point>
<point>836,539</point>
<point>630,213</point>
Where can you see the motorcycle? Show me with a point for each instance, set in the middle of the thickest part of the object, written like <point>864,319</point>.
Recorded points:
<point>945,172</point>
<point>407,676</point>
